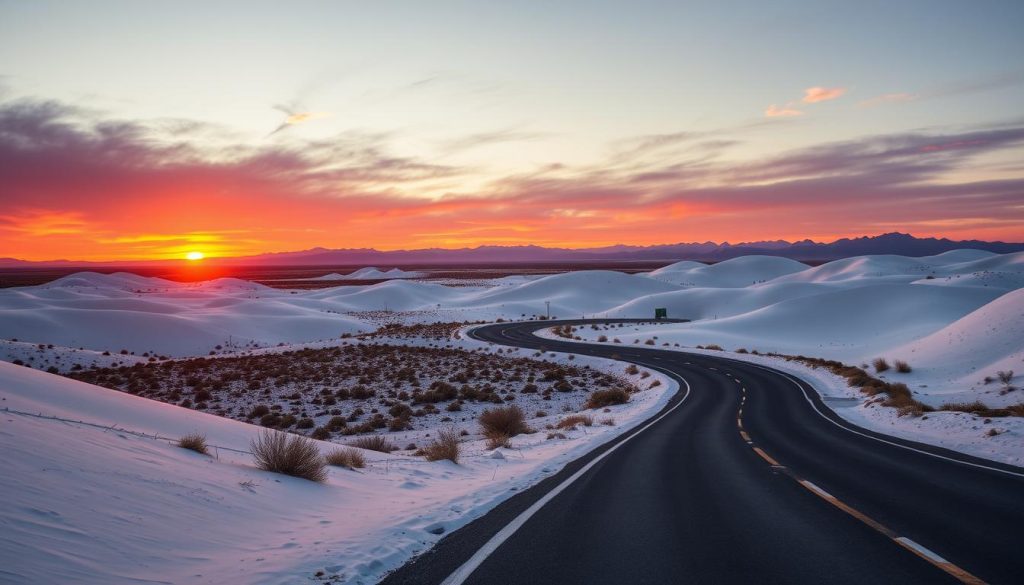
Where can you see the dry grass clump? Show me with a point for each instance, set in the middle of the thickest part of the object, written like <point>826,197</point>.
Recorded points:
<point>880,364</point>
<point>570,422</point>
<point>346,457</point>
<point>445,446</point>
<point>288,454</point>
<point>497,439</point>
<point>374,443</point>
<point>602,398</point>
<point>556,435</point>
<point>503,420</point>
<point>194,442</point>
<point>979,408</point>
<point>902,367</point>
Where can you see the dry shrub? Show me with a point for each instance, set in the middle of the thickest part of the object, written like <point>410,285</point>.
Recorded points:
<point>571,421</point>
<point>497,439</point>
<point>446,446</point>
<point>503,420</point>
<point>194,442</point>
<point>899,396</point>
<point>288,454</point>
<point>880,364</point>
<point>602,398</point>
<point>556,435</point>
<point>608,422</point>
<point>346,457</point>
<point>902,367</point>
<point>374,443</point>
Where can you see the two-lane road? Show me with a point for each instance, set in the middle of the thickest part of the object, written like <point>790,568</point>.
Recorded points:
<point>744,477</point>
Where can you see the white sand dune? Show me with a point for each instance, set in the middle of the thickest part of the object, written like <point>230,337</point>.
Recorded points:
<point>733,273</point>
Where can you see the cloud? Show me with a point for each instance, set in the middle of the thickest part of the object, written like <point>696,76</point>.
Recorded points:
<point>813,95</point>
<point>982,84</point>
<point>774,111</point>
<point>129,189</point>
<point>295,115</point>
<point>485,138</point>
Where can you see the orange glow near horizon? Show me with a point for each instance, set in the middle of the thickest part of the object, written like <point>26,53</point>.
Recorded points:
<point>194,256</point>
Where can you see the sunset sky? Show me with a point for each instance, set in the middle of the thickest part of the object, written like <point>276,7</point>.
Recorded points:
<point>138,130</point>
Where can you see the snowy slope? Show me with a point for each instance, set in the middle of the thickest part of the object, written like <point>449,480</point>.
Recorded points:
<point>95,502</point>
<point>736,272</point>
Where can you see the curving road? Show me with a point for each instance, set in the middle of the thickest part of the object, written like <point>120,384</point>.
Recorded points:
<point>744,477</point>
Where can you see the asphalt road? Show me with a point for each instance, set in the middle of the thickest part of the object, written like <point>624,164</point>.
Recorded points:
<point>744,477</point>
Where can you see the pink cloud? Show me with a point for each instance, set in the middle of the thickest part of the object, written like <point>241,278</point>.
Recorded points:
<point>774,111</point>
<point>813,95</point>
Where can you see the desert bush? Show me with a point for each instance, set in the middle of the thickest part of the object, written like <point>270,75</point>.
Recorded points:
<point>320,434</point>
<point>497,439</point>
<point>1005,377</point>
<point>602,398</point>
<point>346,457</point>
<point>976,406</point>
<point>902,366</point>
<point>713,346</point>
<point>374,443</point>
<point>504,420</point>
<point>602,338</point>
<point>571,421</point>
<point>556,435</point>
<point>194,442</point>
<point>880,364</point>
<point>445,446</point>
<point>288,454</point>
<point>899,396</point>
<point>608,422</point>
<point>632,370</point>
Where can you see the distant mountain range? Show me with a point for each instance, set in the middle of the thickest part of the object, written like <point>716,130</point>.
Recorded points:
<point>892,243</point>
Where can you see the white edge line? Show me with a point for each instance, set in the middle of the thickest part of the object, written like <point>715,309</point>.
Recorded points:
<point>460,575</point>
<point>814,488</point>
<point>874,438</point>
<point>922,550</point>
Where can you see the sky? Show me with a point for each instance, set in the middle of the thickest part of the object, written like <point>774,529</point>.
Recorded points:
<point>148,130</point>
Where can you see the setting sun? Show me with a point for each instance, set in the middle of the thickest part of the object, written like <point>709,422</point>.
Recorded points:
<point>195,256</point>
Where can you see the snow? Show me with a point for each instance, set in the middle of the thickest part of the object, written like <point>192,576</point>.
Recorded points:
<point>372,273</point>
<point>736,272</point>
<point>100,494</point>
<point>102,500</point>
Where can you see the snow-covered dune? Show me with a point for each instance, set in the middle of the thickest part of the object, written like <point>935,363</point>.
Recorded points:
<point>858,321</point>
<point>966,266</point>
<point>94,491</point>
<point>711,303</point>
<point>974,347</point>
<point>736,272</point>
<point>371,273</point>
<point>570,294</point>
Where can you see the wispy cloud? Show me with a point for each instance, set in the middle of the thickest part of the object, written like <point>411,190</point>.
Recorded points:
<point>127,189</point>
<point>813,95</point>
<point>979,85</point>
<point>486,138</point>
<point>786,111</point>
